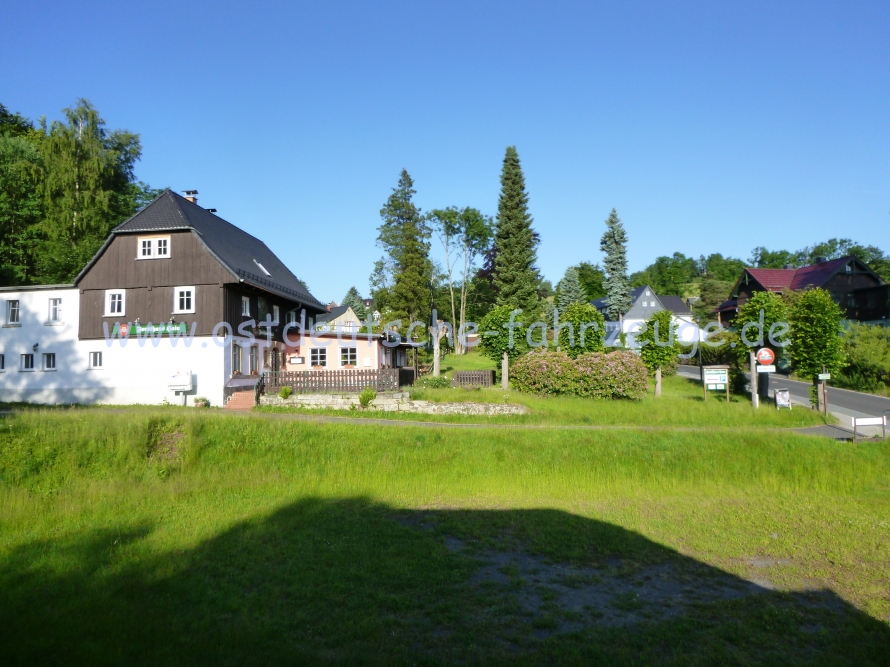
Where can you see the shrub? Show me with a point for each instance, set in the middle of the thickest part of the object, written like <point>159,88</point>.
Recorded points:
<point>201,402</point>
<point>285,392</point>
<point>592,375</point>
<point>867,351</point>
<point>367,395</point>
<point>580,315</point>
<point>657,341</point>
<point>433,382</point>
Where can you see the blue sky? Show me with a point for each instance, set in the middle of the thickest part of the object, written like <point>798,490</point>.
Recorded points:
<point>711,127</point>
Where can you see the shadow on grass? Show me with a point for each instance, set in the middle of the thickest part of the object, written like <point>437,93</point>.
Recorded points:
<point>356,582</point>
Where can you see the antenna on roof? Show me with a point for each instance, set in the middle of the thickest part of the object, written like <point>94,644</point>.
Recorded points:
<point>191,195</point>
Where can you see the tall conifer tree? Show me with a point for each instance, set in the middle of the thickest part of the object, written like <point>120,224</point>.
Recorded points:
<point>570,290</point>
<point>515,274</point>
<point>404,235</point>
<point>614,245</point>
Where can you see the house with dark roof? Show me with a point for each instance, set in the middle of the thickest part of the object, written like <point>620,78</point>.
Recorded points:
<point>645,303</point>
<point>173,306</point>
<point>859,291</point>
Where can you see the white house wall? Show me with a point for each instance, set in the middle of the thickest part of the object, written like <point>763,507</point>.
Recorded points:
<point>130,373</point>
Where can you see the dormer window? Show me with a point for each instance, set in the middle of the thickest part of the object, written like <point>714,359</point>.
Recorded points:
<point>153,247</point>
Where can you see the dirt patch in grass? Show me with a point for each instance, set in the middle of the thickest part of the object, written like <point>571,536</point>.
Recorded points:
<point>166,445</point>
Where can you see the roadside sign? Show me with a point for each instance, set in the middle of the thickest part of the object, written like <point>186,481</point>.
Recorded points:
<point>783,398</point>
<point>824,376</point>
<point>766,369</point>
<point>716,378</point>
<point>765,356</point>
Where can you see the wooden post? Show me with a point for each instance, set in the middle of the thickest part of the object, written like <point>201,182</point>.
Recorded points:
<point>505,378</point>
<point>755,399</point>
<point>658,381</point>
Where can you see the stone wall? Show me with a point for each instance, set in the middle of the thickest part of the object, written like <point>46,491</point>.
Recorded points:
<point>392,402</point>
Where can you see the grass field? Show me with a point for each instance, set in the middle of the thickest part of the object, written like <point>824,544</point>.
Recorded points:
<point>174,536</point>
<point>681,404</point>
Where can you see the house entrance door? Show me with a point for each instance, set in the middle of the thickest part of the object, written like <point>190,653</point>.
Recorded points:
<point>275,363</point>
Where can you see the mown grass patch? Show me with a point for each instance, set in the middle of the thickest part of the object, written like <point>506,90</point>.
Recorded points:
<point>270,541</point>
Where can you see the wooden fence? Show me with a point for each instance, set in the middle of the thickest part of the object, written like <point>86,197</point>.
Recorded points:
<point>347,380</point>
<point>472,379</point>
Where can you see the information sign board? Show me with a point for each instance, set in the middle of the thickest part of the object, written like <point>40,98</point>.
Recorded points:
<point>766,369</point>
<point>824,376</point>
<point>783,398</point>
<point>716,378</point>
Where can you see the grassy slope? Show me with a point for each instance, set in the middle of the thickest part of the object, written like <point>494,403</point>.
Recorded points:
<point>680,405</point>
<point>257,541</point>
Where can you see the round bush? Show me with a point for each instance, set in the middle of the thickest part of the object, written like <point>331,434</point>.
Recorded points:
<point>592,375</point>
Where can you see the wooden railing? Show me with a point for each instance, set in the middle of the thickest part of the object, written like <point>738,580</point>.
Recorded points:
<point>472,379</point>
<point>348,380</point>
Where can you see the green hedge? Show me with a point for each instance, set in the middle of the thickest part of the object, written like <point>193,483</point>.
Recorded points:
<point>592,375</point>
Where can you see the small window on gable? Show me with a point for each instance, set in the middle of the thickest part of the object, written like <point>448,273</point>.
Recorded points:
<point>153,247</point>
<point>648,293</point>
<point>850,267</point>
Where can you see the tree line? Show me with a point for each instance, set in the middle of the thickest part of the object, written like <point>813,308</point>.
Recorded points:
<point>63,186</point>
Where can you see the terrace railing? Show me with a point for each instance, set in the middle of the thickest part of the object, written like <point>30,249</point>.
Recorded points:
<point>345,380</point>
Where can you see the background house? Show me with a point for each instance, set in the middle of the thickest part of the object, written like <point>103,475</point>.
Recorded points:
<point>859,291</point>
<point>646,303</point>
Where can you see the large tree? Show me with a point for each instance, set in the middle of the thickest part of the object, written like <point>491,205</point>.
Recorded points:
<point>465,234</point>
<point>404,236</point>
<point>614,245</point>
<point>515,274</point>
<point>86,190</point>
<point>817,345</point>
<point>592,279</point>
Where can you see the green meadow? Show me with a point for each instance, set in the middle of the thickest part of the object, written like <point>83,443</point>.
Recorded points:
<point>187,537</point>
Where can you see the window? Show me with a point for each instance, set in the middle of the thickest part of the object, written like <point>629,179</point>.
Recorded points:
<point>95,360</point>
<point>2,363</point>
<point>347,356</point>
<point>318,356</point>
<point>12,312</point>
<point>254,360</point>
<point>236,359</point>
<point>27,362</point>
<point>648,293</point>
<point>154,247</point>
<point>55,310</point>
<point>49,361</point>
<point>183,299</point>
<point>849,268</point>
<point>262,307</point>
<point>115,302</point>
<point>349,326</point>
<point>291,317</point>
<point>276,314</point>
<point>245,305</point>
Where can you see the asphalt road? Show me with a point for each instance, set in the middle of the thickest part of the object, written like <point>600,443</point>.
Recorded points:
<point>841,400</point>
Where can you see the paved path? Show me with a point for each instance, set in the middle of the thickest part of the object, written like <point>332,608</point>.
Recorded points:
<point>842,403</point>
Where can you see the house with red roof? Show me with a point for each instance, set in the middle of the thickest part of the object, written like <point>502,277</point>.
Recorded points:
<point>859,291</point>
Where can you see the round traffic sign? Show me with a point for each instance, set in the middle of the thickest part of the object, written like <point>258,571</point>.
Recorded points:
<point>125,330</point>
<point>765,356</point>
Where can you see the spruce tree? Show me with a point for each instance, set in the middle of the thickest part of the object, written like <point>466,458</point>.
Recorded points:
<point>570,289</point>
<point>354,300</point>
<point>515,274</point>
<point>404,236</point>
<point>614,245</point>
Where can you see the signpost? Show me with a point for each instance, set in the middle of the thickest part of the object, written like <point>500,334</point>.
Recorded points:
<point>715,378</point>
<point>765,356</point>
<point>870,421</point>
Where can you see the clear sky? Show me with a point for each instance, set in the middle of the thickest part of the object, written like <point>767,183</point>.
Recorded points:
<point>711,127</point>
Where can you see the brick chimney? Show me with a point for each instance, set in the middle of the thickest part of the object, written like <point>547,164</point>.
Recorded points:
<point>192,196</point>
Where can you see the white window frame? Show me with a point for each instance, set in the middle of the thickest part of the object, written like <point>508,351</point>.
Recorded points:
<point>245,306</point>
<point>153,245</point>
<point>54,316</point>
<point>23,367</point>
<point>93,358</point>
<point>318,356</point>
<point>123,301</point>
<point>254,359</point>
<point>291,316</point>
<point>348,352</point>
<point>48,361</point>
<point>237,360</point>
<point>177,309</point>
<point>10,309</point>
<point>276,314</point>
